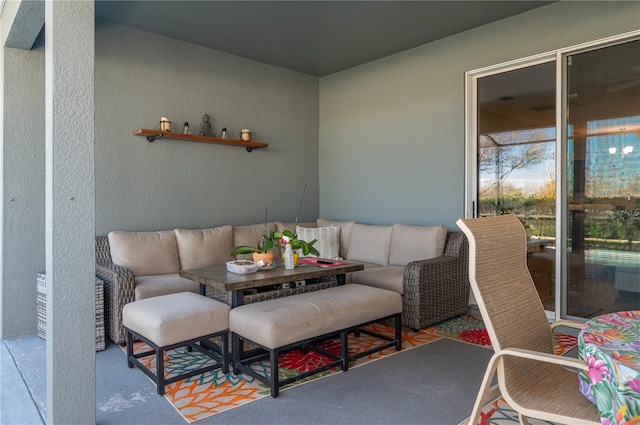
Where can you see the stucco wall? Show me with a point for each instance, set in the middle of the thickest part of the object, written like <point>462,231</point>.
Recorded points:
<point>392,145</point>
<point>141,77</point>
<point>23,192</point>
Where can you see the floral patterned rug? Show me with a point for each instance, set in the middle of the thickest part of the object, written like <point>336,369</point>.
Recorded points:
<point>213,392</point>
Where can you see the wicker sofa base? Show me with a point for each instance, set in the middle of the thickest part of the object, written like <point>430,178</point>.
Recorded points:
<point>42,310</point>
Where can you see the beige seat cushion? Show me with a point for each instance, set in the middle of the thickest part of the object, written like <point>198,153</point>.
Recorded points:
<point>370,244</point>
<point>170,319</point>
<point>145,253</point>
<point>283,321</point>
<point>348,276</point>
<point>414,243</point>
<point>204,247</point>
<point>385,277</point>
<point>345,232</point>
<point>163,284</point>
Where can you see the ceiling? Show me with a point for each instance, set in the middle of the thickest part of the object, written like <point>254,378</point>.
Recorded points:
<point>313,37</point>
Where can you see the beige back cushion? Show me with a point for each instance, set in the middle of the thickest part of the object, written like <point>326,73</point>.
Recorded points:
<point>345,232</point>
<point>250,235</point>
<point>204,247</point>
<point>413,243</point>
<point>145,253</point>
<point>370,244</point>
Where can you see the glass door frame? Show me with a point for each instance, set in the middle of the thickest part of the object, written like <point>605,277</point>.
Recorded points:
<point>558,56</point>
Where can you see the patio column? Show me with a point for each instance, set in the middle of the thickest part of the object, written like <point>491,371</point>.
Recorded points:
<point>70,211</point>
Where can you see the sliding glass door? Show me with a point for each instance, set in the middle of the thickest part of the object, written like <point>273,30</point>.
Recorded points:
<point>555,139</point>
<point>603,180</point>
<point>516,160</point>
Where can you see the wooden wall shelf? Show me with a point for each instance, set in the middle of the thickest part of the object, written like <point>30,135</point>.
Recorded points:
<point>152,135</point>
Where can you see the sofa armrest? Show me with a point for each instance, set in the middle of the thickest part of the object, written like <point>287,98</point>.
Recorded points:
<point>438,288</point>
<point>118,291</point>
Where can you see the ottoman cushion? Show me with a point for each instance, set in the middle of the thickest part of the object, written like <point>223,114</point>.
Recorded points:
<point>170,319</point>
<point>283,321</point>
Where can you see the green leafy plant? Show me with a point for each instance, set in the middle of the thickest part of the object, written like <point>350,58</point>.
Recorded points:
<point>274,239</point>
<point>265,244</point>
<point>306,247</point>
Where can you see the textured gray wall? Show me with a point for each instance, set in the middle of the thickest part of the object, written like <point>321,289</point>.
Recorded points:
<point>392,143</point>
<point>69,212</point>
<point>23,169</point>
<point>141,77</point>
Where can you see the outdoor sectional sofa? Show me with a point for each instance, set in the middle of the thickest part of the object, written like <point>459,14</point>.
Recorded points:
<point>427,265</point>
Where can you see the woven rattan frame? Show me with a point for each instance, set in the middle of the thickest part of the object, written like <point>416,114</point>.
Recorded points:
<point>530,377</point>
<point>438,288</point>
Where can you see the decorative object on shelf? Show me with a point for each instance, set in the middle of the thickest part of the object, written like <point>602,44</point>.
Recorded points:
<point>205,126</point>
<point>245,135</point>
<point>154,134</point>
<point>223,135</point>
<point>186,130</point>
<point>165,124</point>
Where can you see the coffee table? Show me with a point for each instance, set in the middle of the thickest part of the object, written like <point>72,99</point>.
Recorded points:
<point>218,277</point>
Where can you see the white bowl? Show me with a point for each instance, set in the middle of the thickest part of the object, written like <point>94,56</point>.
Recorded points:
<point>242,266</point>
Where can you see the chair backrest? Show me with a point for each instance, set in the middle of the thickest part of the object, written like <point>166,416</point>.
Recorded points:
<point>501,283</point>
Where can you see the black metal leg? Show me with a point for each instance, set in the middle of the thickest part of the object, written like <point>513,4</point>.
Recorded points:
<point>341,278</point>
<point>275,387</point>
<point>398,323</point>
<point>344,350</point>
<point>235,353</point>
<point>129,343</point>
<point>203,289</point>
<point>160,370</point>
<point>224,352</point>
<point>237,298</point>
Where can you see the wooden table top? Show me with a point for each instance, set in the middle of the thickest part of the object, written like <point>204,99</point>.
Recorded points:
<point>220,278</point>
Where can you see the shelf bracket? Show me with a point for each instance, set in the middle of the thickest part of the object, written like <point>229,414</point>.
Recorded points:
<point>152,139</point>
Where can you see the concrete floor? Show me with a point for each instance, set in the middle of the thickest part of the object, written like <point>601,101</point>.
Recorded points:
<point>433,384</point>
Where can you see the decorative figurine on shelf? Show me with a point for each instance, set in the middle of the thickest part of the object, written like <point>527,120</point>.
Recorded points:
<point>205,126</point>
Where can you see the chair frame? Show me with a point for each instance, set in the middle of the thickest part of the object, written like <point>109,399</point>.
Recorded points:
<point>496,364</point>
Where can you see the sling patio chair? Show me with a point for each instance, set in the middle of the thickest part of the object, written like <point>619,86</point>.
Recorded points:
<point>532,380</point>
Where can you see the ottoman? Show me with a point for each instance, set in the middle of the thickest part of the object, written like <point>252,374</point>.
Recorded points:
<point>177,320</point>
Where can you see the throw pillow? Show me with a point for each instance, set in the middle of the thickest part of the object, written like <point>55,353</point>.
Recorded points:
<point>345,231</point>
<point>328,244</point>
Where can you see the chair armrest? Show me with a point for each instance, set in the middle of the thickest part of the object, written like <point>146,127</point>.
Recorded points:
<point>544,357</point>
<point>438,288</point>
<point>567,323</point>
<point>118,291</point>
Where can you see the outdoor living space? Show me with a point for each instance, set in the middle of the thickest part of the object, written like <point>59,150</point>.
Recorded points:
<point>130,117</point>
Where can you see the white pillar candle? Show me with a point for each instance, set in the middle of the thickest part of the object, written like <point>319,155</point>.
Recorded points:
<point>165,124</point>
